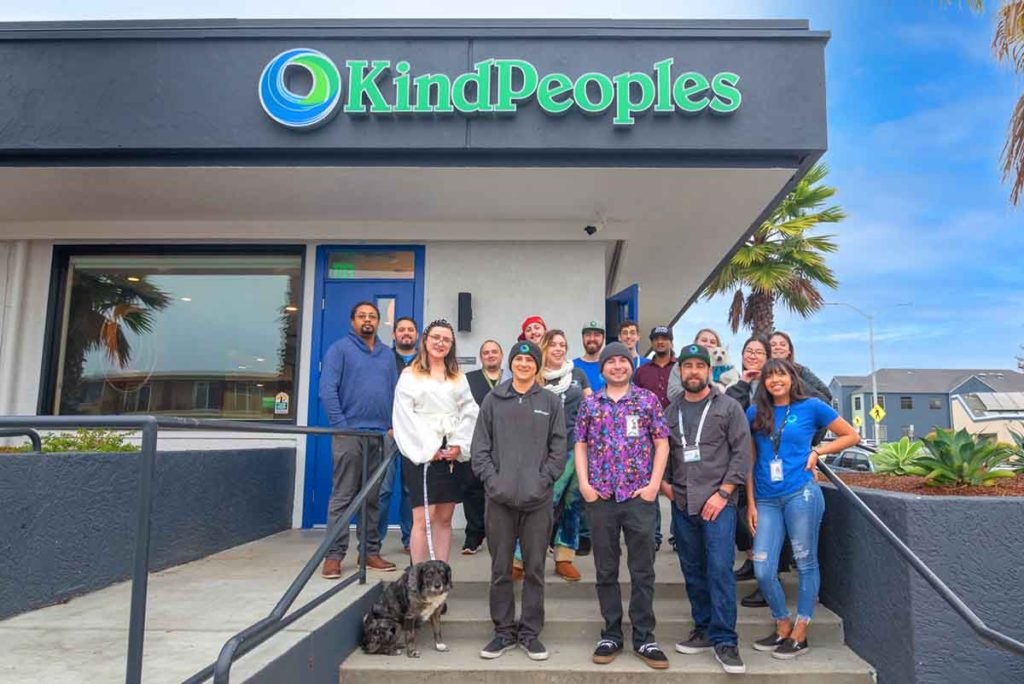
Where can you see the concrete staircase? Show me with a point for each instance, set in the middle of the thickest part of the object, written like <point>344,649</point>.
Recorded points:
<point>572,628</point>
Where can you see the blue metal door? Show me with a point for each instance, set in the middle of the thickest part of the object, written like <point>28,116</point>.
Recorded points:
<point>621,306</point>
<point>394,298</point>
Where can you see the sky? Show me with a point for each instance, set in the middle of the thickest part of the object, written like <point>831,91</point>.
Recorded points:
<point>917,115</point>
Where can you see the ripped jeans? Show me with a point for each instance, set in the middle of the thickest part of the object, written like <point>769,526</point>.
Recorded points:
<point>799,516</point>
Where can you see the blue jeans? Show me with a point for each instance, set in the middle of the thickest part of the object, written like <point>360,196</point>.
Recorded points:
<point>799,516</point>
<point>387,486</point>
<point>706,553</point>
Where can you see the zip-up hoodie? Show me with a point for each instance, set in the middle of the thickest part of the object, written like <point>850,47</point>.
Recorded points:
<point>518,446</point>
<point>357,386</point>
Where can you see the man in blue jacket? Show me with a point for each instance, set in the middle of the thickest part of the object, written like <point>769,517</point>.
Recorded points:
<point>357,388</point>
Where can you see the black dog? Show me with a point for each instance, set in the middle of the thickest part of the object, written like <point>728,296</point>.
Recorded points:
<point>418,595</point>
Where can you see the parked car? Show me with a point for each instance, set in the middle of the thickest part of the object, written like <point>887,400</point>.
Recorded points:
<point>853,459</point>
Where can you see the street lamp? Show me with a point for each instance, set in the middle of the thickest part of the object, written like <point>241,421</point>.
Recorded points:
<point>871,348</point>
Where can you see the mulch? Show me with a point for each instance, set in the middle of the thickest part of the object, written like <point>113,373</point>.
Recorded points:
<point>911,484</point>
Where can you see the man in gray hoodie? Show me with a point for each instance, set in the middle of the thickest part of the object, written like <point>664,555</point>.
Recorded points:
<point>518,452</point>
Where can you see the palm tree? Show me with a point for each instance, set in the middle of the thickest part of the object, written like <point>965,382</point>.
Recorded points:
<point>1008,44</point>
<point>782,262</point>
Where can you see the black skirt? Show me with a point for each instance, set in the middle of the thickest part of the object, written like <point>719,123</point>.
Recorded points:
<point>444,481</point>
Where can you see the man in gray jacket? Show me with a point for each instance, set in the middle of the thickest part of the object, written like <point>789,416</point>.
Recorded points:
<point>709,456</point>
<point>518,452</point>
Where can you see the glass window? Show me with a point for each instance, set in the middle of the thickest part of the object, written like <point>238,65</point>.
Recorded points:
<point>906,403</point>
<point>881,401</point>
<point>856,404</point>
<point>935,403</point>
<point>371,264</point>
<point>198,335</point>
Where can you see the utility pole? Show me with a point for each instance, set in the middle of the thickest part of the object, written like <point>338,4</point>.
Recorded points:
<point>871,349</point>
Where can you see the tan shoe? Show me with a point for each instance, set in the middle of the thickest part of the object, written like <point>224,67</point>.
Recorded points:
<point>567,571</point>
<point>517,573</point>
<point>331,568</point>
<point>378,563</point>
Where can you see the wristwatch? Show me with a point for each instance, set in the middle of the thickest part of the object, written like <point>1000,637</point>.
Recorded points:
<point>724,494</point>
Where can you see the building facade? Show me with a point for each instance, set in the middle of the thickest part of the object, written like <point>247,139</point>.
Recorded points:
<point>188,210</point>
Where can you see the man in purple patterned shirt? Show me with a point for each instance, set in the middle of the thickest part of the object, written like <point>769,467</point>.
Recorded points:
<point>617,431</point>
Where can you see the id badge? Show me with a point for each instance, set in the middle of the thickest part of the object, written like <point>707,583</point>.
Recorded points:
<point>691,455</point>
<point>632,426</point>
<point>776,468</point>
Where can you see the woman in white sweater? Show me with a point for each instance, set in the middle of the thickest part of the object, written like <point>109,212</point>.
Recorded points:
<point>433,418</point>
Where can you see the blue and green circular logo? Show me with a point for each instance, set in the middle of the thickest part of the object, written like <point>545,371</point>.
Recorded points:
<point>292,109</point>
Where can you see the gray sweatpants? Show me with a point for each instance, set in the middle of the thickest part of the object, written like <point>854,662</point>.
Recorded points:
<point>347,457</point>
<point>503,525</point>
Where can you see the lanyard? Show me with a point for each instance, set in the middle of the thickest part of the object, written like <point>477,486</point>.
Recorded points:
<point>777,436</point>
<point>491,383</point>
<point>700,425</point>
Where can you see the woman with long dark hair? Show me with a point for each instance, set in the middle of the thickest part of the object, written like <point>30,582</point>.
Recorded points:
<point>781,347</point>
<point>755,353</point>
<point>434,416</point>
<point>783,497</point>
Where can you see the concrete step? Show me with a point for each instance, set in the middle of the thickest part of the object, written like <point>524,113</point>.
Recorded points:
<point>472,585</point>
<point>570,664</point>
<point>580,618</point>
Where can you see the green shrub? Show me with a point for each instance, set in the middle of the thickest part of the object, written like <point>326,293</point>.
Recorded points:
<point>958,459</point>
<point>80,440</point>
<point>899,458</point>
<point>1018,452</point>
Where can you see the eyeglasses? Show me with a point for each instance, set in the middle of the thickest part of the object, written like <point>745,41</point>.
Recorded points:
<point>366,317</point>
<point>441,339</point>
<point>754,352</point>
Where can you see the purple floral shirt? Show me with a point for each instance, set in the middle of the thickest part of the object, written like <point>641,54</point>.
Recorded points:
<point>620,440</point>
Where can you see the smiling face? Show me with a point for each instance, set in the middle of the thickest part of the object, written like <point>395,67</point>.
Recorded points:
<point>778,384</point>
<point>439,341</point>
<point>524,369</point>
<point>535,332</point>
<point>490,356</point>
<point>662,345</point>
<point>556,351</point>
<point>617,371</point>
<point>707,339</point>
<point>593,341</point>
<point>695,375</point>
<point>780,347</point>
<point>754,355</point>
<point>405,334</point>
<point>629,336</point>
<point>365,321</point>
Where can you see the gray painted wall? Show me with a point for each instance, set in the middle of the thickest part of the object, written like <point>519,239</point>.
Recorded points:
<point>69,519</point>
<point>892,618</point>
<point>82,90</point>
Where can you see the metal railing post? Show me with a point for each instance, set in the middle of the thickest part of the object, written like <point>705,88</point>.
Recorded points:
<point>33,436</point>
<point>364,526</point>
<point>140,571</point>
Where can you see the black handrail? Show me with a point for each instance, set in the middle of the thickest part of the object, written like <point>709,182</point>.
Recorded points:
<point>955,602</point>
<point>149,426</point>
<point>33,436</point>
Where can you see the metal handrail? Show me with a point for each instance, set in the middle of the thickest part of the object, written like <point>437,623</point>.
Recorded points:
<point>244,641</point>
<point>950,597</point>
<point>33,436</point>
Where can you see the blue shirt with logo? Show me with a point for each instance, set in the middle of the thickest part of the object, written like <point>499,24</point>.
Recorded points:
<point>805,418</point>
<point>593,371</point>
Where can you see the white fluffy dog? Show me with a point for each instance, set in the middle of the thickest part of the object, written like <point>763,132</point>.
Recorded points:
<point>723,373</point>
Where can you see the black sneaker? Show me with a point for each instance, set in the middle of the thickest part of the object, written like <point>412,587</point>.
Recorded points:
<point>728,656</point>
<point>790,649</point>
<point>652,655</point>
<point>583,548</point>
<point>534,649</point>
<point>694,644</point>
<point>497,648</point>
<point>769,643</point>
<point>606,651</point>
<point>745,572</point>
<point>754,600</point>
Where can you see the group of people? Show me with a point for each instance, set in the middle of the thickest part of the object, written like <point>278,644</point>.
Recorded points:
<point>549,451</point>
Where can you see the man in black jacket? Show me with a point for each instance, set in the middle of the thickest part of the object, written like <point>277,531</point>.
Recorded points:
<point>518,452</point>
<point>481,382</point>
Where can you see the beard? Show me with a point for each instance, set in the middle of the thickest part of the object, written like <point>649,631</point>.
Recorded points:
<point>592,347</point>
<point>695,385</point>
<point>367,330</point>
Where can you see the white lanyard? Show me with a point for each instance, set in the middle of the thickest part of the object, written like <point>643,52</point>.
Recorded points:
<point>700,425</point>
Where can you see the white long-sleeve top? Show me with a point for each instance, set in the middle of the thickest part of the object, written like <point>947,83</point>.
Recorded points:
<point>428,410</point>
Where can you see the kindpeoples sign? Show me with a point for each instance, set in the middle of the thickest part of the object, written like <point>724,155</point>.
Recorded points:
<point>493,87</point>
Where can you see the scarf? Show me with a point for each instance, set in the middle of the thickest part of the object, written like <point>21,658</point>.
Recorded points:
<point>558,381</point>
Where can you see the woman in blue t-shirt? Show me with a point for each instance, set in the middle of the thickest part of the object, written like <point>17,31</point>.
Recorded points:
<point>785,499</point>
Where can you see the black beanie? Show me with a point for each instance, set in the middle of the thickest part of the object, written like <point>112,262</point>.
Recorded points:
<point>525,347</point>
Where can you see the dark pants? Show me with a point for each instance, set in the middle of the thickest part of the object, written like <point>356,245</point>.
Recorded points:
<point>532,528</point>
<point>705,549</point>
<point>347,456</point>
<point>634,520</point>
<point>473,506</point>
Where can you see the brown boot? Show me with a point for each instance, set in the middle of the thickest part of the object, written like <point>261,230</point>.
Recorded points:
<point>377,563</point>
<point>517,573</point>
<point>331,569</point>
<point>567,571</point>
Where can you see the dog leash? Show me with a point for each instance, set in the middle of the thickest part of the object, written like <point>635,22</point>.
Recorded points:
<point>426,512</point>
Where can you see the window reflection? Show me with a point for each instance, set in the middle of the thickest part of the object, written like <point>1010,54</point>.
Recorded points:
<point>194,335</point>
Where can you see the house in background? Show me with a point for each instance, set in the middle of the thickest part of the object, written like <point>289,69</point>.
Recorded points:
<point>993,414</point>
<point>917,400</point>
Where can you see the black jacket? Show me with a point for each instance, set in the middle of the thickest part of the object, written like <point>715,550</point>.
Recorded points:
<point>518,446</point>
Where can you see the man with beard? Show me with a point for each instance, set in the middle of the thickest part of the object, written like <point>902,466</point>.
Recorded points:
<point>357,388</point>
<point>593,343</point>
<point>406,335</point>
<point>709,456</point>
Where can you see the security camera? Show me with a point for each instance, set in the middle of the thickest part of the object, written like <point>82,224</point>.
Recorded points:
<point>590,229</point>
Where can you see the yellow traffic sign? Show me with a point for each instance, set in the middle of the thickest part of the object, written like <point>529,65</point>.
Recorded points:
<point>858,421</point>
<point>878,413</point>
